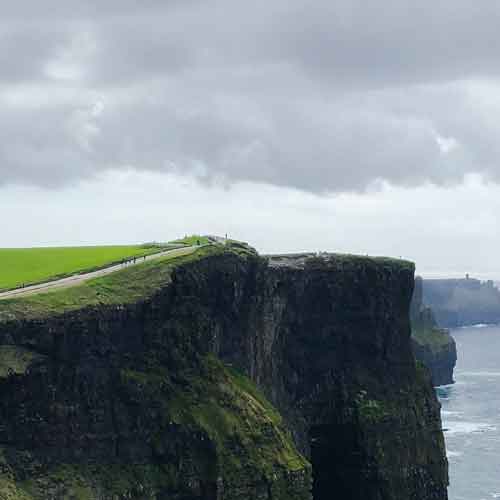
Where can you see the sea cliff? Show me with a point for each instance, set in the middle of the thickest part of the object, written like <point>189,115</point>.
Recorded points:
<point>433,346</point>
<point>235,377</point>
<point>462,302</point>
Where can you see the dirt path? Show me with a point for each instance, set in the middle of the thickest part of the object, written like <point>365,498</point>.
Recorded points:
<point>80,278</point>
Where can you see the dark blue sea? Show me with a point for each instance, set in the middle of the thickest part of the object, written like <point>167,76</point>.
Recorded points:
<point>471,415</point>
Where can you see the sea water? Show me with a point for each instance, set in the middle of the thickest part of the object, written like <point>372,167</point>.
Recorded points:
<point>471,415</point>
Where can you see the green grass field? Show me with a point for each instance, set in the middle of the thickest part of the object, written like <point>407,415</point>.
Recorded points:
<point>36,265</point>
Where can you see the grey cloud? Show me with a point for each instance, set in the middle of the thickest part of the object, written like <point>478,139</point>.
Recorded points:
<point>323,96</point>
<point>39,147</point>
<point>25,51</point>
<point>61,10</point>
<point>341,147</point>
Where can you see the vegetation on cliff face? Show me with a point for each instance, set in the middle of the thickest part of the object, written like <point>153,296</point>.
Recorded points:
<point>236,437</point>
<point>427,334</point>
<point>436,339</point>
<point>248,434</point>
<point>15,360</point>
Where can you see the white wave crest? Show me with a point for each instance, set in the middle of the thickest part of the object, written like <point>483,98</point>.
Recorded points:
<point>457,427</point>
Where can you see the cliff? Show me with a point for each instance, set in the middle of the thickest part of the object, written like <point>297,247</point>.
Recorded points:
<point>170,396</point>
<point>462,302</point>
<point>432,346</point>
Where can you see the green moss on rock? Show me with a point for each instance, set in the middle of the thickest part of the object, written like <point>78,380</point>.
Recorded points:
<point>89,482</point>
<point>10,491</point>
<point>16,360</point>
<point>225,437</point>
<point>435,339</point>
<point>372,410</point>
<point>247,433</point>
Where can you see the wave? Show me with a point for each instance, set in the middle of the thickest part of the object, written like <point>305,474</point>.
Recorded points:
<point>445,386</point>
<point>456,427</point>
<point>449,413</point>
<point>453,454</point>
<point>478,325</point>
<point>479,374</point>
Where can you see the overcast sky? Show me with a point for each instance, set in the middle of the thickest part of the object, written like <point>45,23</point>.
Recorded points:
<point>368,127</point>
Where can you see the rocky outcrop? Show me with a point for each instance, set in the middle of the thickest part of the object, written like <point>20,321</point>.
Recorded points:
<point>168,397</point>
<point>440,362</point>
<point>462,302</point>
<point>432,346</point>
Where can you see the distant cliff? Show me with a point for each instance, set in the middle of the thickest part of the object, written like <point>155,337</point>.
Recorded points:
<point>461,302</point>
<point>171,396</point>
<point>433,346</point>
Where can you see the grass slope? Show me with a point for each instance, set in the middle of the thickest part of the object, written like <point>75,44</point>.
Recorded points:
<point>125,286</point>
<point>36,265</point>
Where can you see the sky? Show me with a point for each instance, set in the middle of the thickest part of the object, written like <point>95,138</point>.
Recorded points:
<point>348,126</point>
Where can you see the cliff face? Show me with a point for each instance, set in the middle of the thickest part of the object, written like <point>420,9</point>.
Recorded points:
<point>461,302</point>
<point>133,402</point>
<point>440,361</point>
<point>432,346</point>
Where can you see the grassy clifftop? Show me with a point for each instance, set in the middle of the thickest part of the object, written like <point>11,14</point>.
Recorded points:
<point>35,265</point>
<point>141,281</point>
<point>126,286</point>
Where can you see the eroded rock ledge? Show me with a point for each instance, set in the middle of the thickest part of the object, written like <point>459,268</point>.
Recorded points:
<point>150,399</point>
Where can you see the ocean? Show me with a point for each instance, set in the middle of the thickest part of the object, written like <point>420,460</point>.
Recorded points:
<point>471,415</point>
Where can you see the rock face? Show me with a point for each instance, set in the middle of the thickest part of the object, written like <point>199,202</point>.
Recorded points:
<point>155,399</point>
<point>440,363</point>
<point>462,302</point>
<point>432,346</point>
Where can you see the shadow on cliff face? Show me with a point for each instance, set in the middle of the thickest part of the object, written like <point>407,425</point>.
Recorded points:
<point>335,348</point>
<point>328,447</point>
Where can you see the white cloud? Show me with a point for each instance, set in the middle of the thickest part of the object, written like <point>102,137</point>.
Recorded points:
<point>447,144</point>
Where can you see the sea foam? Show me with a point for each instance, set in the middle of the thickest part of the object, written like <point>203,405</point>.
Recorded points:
<point>456,427</point>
